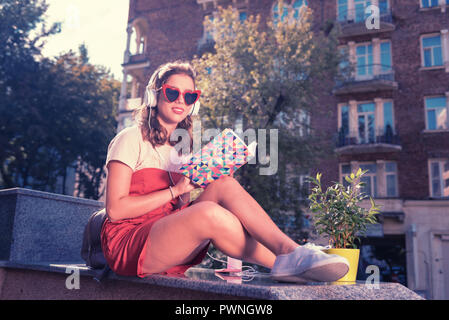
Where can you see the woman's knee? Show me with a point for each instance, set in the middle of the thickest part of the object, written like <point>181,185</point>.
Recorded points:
<point>224,183</point>
<point>213,216</point>
<point>227,180</point>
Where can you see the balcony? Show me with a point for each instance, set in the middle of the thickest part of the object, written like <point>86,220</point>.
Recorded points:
<point>353,23</point>
<point>373,141</point>
<point>368,78</point>
<point>133,59</point>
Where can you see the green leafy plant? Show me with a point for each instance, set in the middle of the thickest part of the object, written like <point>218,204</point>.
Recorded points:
<point>338,214</point>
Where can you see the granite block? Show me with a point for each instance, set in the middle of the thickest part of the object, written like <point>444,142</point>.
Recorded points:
<point>40,226</point>
<point>260,286</point>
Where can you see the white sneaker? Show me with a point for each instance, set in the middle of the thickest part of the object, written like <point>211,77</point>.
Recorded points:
<point>306,264</point>
<point>311,245</point>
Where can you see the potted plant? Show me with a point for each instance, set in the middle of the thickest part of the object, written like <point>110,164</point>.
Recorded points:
<point>339,217</point>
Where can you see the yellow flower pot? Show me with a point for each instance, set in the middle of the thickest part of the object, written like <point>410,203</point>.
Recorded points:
<point>352,255</point>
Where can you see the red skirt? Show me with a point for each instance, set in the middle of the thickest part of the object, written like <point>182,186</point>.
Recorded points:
<point>124,242</point>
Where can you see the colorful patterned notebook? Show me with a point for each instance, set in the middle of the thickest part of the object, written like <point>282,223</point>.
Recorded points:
<point>220,157</point>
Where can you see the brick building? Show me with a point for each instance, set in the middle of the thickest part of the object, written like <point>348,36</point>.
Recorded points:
<point>391,116</point>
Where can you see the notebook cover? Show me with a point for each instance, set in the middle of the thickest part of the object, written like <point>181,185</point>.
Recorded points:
<point>220,157</point>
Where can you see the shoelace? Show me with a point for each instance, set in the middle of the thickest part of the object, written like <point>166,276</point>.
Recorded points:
<point>247,275</point>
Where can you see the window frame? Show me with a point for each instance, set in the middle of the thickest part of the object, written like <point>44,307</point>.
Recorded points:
<point>430,35</point>
<point>421,6</point>
<point>340,172</point>
<point>367,76</point>
<point>426,110</point>
<point>374,178</point>
<point>337,6</point>
<point>393,116</point>
<point>380,57</point>
<point>440,162</point>
<point>396,183</point>
<point>340,118</point>
<point>357,131</point>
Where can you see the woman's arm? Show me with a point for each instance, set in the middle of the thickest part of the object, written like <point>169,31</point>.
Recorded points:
<point>119,205</point>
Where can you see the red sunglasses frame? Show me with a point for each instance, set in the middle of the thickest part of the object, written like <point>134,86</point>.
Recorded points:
<point>165,86</point>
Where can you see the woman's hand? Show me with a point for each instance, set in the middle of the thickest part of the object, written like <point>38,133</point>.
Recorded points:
<point>183,186</point>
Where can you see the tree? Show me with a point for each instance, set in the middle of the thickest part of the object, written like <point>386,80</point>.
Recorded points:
<point>57,113</point>
<point>18,21</point>
<point>269,78</point>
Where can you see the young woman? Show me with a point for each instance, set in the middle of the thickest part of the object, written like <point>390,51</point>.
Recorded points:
<point>152,226</point>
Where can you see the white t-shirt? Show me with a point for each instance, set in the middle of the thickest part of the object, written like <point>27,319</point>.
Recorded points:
<point>129,147</point>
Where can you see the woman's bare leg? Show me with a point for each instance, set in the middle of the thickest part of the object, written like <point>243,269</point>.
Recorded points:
<point>178,238</point>
<point>228,193</point>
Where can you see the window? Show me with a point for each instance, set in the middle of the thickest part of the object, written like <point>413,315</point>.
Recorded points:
<point>388,115</point>
<point>133,41</point>
<point>344,129</point>
<point>304,186</point>
<point>360,6</point>
<point>364,58</point>
<point>366,123</point>
<point>432,51</point>
<point>345,171</point>
<point>387,173</point>
<point>367,128</point>
<point>385,56</point>
<point>436,113</point>
<point>383,7</point>
<point>279,13</point>
<point>357,12</point>
<point>439,178</point>
<point>370,179</point>
<point>342,10</point>
<point>297,5</point>
<point>344,59</point>
<point>141,45</point>
<point>429,3</point>
<point>209,35</point>
<point>391,179</point>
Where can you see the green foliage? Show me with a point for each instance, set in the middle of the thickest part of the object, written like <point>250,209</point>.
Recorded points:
<point>338,214</point>
<point>269,77</point>
<point>263,75</point>
<point>57,113</point>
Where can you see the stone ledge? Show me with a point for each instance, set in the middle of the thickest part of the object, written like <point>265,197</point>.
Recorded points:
<point>40,226</point>
<point>50,196</point>
<point>197,282</point>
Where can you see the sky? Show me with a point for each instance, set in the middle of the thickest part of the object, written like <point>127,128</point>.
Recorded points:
<point>100,24</point>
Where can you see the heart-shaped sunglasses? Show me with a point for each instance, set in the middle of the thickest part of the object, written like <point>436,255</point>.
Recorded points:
<point>172,93</point>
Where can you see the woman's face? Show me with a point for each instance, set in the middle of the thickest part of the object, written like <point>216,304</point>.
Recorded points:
<point>171,113</point>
